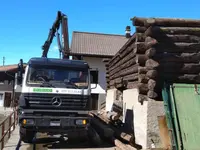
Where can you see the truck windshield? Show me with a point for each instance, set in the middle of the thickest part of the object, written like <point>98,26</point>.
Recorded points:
<point>58,77</point>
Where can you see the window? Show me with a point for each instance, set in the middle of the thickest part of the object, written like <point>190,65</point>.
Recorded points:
<point>1,96</point>
<point>55,76</point>
<point>94,76</point>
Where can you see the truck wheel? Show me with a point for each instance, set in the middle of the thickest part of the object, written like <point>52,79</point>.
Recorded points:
<point>26,135</point>
<point>94,137</point>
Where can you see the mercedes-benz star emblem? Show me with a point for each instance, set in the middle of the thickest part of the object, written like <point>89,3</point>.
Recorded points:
<point>56,101</point>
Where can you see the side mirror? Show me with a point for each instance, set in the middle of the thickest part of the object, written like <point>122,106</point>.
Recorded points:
<point>93,69</point>
<point>19,79</point>
<point>20,72</point>
<point>95,86</point>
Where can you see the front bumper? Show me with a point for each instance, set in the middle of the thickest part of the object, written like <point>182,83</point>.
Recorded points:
<point>47,121</point>
<point>53,122</point>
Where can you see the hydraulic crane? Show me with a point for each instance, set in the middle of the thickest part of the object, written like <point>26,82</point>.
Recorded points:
<point>61,20</point>
<point>55,96</point>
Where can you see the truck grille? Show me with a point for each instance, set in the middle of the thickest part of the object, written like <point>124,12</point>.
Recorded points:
<point>57,101</point>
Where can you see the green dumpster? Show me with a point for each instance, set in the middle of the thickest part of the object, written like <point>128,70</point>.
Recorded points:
<point>182,108</point>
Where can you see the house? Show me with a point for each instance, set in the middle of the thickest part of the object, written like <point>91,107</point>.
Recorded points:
<point>7,80</point>
<point>93,48</point>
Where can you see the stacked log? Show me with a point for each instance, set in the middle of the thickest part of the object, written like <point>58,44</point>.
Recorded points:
<point>170,53</point>
<point>122,67</point>
<point>161,50</point>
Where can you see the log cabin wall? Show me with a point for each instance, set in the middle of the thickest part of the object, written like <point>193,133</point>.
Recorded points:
<point>122,68</point>
<point>160,50</point>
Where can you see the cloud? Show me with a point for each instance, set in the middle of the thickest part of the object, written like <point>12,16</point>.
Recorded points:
<point>54,48</point>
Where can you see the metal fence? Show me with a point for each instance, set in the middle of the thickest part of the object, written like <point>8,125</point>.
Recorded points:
<point>7,126</point>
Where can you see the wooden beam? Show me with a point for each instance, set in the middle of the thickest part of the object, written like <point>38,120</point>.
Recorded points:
<point>169,22</point>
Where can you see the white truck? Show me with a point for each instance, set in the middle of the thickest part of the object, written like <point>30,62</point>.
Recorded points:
<point>55,95</point>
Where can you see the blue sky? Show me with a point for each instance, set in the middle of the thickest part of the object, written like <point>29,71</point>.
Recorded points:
<point>24,24</point>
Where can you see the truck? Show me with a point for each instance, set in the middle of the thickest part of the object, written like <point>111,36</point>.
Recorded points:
<point>55,95</point>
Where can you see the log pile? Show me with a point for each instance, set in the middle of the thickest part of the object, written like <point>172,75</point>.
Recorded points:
<point>161,50</point>
<point>122,70</point>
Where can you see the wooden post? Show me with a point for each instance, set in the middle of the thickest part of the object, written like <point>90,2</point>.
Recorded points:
<point>14,119</point>
<point>10,122</point>
<point>2,135</point>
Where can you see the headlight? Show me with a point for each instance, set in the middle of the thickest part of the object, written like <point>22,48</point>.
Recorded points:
<point>81,122</point>
<point>27,121</point>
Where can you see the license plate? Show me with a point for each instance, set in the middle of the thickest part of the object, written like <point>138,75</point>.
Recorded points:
<point>53,123</point>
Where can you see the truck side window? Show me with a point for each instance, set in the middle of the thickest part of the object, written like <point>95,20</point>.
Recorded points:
<point>94,76</point>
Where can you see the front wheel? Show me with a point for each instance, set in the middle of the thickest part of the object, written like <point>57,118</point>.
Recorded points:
<point>26,135</point>
<point>94,137</point>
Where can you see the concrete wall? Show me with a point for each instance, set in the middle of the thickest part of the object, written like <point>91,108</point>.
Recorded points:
<point>142,118</point>
<point>155,109</point>
<point>97,63</point>
<point>135,116</point>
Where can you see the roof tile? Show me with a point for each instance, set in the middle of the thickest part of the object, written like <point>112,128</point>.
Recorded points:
<point>9,67</point>
<point>96,43</point>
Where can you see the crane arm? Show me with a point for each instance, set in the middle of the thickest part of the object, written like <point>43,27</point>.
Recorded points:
<point>61,19</point>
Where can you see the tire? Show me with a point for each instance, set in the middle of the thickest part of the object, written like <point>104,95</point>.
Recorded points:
<point>94,137</point>
<point>26,135</point>
<point>78,136</point>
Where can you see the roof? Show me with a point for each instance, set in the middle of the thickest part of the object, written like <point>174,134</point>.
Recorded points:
<point>86,43</point>
<point>9,67</point>
<point>58,62</point>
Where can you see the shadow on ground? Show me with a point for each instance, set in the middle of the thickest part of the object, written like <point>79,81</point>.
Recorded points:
<point>71,144</point>
<point>68,144</point>
<point>78,144</point>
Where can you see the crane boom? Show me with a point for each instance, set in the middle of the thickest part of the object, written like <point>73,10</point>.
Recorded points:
<point>61,19</point>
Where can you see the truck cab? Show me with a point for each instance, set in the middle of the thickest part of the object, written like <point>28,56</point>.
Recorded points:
<point>55,97</point>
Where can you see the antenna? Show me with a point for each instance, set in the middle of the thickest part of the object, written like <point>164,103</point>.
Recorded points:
<point>3,61</point>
